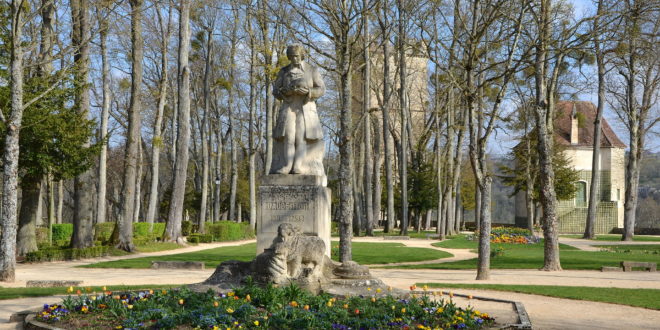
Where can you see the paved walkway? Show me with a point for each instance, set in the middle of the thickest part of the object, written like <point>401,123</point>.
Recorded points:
<point>545,312</point>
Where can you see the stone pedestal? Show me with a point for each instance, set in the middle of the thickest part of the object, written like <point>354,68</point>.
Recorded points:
<point>302,200</point>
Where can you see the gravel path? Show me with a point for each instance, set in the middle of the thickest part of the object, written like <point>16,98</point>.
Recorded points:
<point>545,312</point>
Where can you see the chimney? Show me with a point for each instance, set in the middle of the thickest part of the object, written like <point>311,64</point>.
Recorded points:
<point>574,126</point>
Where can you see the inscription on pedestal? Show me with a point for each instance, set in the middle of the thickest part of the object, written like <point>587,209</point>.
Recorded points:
<point>305,206</point>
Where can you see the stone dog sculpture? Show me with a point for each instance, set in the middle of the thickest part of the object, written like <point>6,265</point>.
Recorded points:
<point>291,256</point>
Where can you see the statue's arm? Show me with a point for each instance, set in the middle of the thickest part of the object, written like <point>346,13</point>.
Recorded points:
<point>319,87</point>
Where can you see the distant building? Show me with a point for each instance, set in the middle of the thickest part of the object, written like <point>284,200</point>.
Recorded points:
<point>416,86</point>
<point>575,130</point>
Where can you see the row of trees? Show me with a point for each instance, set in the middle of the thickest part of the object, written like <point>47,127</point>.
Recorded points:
<point>198,94</point>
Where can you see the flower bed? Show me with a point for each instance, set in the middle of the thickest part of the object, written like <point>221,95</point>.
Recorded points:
<point>509,235</point>
<point>254,307</point>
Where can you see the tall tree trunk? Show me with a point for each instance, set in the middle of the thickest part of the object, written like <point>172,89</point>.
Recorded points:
<point>544,112</point>
<point>51,207</point>
<point>252,153</point>
<point>26,240</point>
<point>138,185</point>
<point>157,139</point>
<point>366,105</point>
<point>267,53</point>
<point>345,156</point>
<point>389,178</point>
<point>483,264</point>
<point>595,163</point>
<point>632,184</point>
<point>477,205</point>
<point>204,129</point>
<point>403,107</point>
<point>378,164</point>
<point>39,212</point>
<point>233,143</point>
<point>173,228</point>
<point>125,222</point>
<point>83,221</point>
<point>103,131</point>
<point>218,172</point>
<point>60,201</point>
<point>11,150</point>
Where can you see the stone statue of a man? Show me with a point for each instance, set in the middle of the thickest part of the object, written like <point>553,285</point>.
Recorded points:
<point>297,136</point>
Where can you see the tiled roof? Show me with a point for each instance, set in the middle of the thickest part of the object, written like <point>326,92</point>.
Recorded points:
<point>586,128</point>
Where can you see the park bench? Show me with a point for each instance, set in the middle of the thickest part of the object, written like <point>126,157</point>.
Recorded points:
<point>629,265</point>
<point>177,265</point>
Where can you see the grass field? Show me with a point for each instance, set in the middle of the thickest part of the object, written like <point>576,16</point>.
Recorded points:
<point>646,298</point>
<point>612,238</point>
<point>633,249</point>
<point>363,253</point>
<point>530,256</point>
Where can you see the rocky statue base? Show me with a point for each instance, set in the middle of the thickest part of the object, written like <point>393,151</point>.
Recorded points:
<point>294,257</point>
<point>301,200</point>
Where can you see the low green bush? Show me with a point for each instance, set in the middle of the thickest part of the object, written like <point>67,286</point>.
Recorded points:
<point>62,231</point>
<point>200,238</point>
<point>103,231</point>
<point>58,254</point>
<point>223,231</point>
<point>186,228</point>
<point>141,229</point>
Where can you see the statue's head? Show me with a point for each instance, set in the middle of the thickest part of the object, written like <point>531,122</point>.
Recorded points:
<point>286,230</point>
<point>295,53</point>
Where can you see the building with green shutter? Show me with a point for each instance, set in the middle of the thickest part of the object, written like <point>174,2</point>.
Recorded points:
<point>574,128</point>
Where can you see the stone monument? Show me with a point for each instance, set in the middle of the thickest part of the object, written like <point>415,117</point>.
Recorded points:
<point>293,224</point>
<point>295,190</point>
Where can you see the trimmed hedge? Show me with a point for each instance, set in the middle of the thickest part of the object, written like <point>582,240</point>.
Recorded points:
<point>229,231</point>
<point>200,238</point>
<point>218,232</point>
<point>62,231</point>
<point>103,231</point>
<point>57,254</point>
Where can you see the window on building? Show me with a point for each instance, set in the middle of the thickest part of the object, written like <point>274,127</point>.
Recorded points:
<point>618,194</point>
<point>581,194</point>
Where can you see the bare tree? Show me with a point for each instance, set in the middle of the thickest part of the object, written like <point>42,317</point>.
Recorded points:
<point>83,222</point>
<point>173,228</point>
<point>157,139</point>
<point>553,41</point>
<point>635,91</point>
<point>366,105</point>
<point>11,150</point>
<point>385,27</point>
<point>102,13</point>
<point>133,139</point>
<point>599,32</point>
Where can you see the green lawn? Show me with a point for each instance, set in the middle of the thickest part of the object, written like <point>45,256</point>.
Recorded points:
<point>530,256</point>
<point>612,238</point>
<point>646,298</point>
<point>364,253</point>
<point>210,257</point>
<point>159,246</point>
<point>384,253</point>
<point>13,293</point>
<point>461,242</point>
<point>632,248</point>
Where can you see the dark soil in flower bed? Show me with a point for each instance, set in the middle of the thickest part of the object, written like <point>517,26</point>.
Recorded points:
<point>254,307</point>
